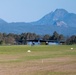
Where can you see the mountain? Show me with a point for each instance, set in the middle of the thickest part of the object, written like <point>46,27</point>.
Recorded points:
<point>58,15</point>
<point>60,20</point>
<point>2,21</point>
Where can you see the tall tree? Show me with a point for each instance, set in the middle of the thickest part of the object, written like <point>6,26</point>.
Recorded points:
<point>46,37</point>
<point>55,36</point>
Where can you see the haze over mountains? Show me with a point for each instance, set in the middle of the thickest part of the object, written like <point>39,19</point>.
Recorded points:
<point>60,20</point>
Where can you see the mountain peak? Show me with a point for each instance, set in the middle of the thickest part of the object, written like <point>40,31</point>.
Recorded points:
<point>60,20</point>
<point>61,10</point>
<point>59,14</point>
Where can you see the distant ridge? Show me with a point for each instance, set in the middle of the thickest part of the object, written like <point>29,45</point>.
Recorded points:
<point>2,21</point>
<point>60,20</point>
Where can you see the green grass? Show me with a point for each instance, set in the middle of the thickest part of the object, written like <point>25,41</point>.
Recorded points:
<point>38,52</point>
<point>18,55</point>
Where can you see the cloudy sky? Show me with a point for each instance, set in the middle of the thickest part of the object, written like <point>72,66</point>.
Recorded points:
<point>32,10</point>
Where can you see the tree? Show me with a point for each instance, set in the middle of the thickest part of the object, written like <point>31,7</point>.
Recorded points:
<point>71,40</point>
<point>61,37</point>
<point>46,37</point>
<point>55,36</point>
<point>1,42</point>
<point>10,40</point>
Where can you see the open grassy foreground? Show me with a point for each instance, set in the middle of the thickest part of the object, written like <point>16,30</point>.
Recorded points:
<point>42,60</point>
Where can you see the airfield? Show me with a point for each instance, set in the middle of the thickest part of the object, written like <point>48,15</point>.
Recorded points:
<point>38,60</point>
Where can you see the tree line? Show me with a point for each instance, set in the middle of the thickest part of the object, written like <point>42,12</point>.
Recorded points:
<point>21,39</point>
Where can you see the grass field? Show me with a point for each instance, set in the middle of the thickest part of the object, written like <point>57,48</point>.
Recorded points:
<point>42,60</point>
